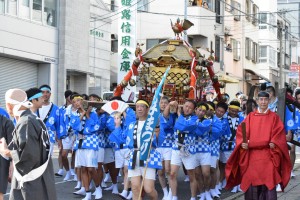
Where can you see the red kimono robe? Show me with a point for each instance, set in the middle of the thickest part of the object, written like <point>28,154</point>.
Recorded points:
<point>260,165</point>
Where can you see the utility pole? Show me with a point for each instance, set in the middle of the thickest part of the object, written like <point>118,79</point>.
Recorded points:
<point>280,56</point>
<point>185,17</point>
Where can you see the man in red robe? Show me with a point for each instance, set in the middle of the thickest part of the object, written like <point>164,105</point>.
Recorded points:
<point>262,161</point>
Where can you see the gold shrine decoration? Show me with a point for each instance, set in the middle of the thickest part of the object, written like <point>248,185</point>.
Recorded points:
<point>175,76</point>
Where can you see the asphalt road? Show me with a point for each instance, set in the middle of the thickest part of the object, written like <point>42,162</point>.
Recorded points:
<point>65,189</point>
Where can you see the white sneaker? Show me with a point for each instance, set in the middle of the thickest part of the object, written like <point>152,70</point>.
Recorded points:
<point>75,178</point>
<point>224,183</point>
<point>239,188</point>
<point>107,178</point>
<point>292,174</point>
<point>78,186</point>
<point>278,188</point>
<point>103,184</point>
<point>115,189</point>
<point>220,186</point>
<point>88,196</point>
<point>72,172</point>
<point>201,196</point>
<point>80,192</point>
<point>109,188</point>
<point>170,194</point>
<point>98,193</point>
<point>213,193</point>
<point>207,195</point>
<point>129,197</point>
<point>123,194</point>
<point>59,173</point>
<point>217,190</point>
<point>187,178</point>
<point>235,189</point>
<point>68,176</point>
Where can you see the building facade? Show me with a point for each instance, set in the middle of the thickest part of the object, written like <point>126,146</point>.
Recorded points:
<point>61,43</point>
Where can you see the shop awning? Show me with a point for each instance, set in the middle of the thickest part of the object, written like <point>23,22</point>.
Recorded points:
<point>260,77</point>
<point>227,79</point>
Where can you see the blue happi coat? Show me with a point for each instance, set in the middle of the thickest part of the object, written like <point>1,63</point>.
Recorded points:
<point>166,132</point>
<point>4,113</point>
<point>154,161</point>
<point>115,134</point>
<point>102,119</point>
<point>88,127</point>
<point>215,137</point>
<point>227,138</point>
<point>187,126</point>
<point>52,123</point>
<point>205,128</point>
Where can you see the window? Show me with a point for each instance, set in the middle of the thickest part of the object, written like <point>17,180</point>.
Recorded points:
<point>11,7</point>
<point>255,15</point>
<point>263,54</point>
<point>142,5</point>
<point>152,42</point>
<point>236,45</point>
<point>24,9</point>
<point>211,5</point>
<point>112,5</point>
<point>218,12</point>
<point>50,12</point>
<point>2,6</point>
<point>286,32</point>
<point>248,48</point>
<point>255,52</point>
<point>248,9</point>
<point>114,46</point>
<point>263,18</point>
<point>37,10</point>
<point>272,57</point>
<point>236,10</point>
<point>217,49</point>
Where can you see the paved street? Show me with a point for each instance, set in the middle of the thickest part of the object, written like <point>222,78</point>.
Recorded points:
<point>65,189</point>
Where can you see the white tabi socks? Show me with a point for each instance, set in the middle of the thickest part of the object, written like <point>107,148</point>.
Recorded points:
<point>68,176</point>
<point>129,197</point>
<point>80,192</point>
<point>98,192</point>
<point>165,190</point>
<point>207,195</point>
<point>88,196</point>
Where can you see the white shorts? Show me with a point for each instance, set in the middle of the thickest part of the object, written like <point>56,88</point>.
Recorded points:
<point>109,156</point>
<point>100,155</point>
<point>213,161</point>
<point>121,158</point>
<point>188,161</point>
<point>166,153</point>
<point>86,158</point>
<point>68,142</point>
<point>139,171</point>
<point>203,159</point>
<point>224,156</point>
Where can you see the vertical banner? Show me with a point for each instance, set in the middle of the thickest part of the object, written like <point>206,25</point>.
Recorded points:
<point>152,119</point>
<point>126,41</point>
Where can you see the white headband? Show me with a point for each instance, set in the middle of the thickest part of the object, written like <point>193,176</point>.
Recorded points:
<point>16,109</point>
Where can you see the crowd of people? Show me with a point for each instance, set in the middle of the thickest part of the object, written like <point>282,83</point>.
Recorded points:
<point>204,138</point>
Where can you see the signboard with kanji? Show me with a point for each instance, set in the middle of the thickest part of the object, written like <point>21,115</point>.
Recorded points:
<point>126,41</point>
